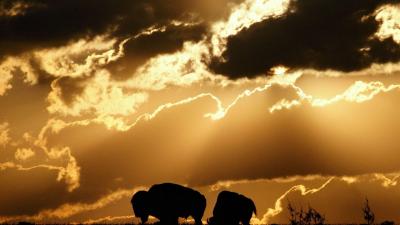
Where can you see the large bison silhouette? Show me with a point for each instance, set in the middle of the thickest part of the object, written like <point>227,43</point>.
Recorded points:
<point>232,208</point>
<point>167,202</point>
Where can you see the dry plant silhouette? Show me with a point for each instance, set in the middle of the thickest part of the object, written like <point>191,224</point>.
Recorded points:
<point>369,215</point>
<point>305,217</point>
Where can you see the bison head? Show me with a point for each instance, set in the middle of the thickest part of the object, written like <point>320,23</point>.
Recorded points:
<point>140,204</point>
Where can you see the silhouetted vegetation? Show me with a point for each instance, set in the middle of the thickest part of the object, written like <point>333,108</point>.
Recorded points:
<point>387,222</point>
<point>369,216</point>
<point>305,217</point>
<point>24,223</point>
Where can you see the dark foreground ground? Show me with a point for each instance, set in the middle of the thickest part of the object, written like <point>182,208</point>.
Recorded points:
<point>158,223</point>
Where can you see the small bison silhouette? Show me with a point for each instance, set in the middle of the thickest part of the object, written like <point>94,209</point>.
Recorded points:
<point>167,202</point>
<point>231,209</point>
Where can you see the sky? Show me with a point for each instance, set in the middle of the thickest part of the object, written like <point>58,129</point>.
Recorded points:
<point>280,100</point>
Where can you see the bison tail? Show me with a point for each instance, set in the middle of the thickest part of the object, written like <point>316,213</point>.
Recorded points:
<point>254,208</point>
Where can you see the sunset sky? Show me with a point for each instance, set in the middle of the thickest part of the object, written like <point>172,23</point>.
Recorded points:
<point>280,100</point>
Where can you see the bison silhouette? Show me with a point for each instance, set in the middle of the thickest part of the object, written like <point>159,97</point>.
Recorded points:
<point>167,202</point>
<point>232,208</point>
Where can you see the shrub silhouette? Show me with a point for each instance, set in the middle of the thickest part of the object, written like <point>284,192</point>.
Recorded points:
<point>387,222</point>
<point>308,217</point>
<point>369,216</point>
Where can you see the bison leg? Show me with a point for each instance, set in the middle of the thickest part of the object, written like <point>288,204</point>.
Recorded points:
<point>198,221</point>
<point>246,221</point>
<point>143,219</point>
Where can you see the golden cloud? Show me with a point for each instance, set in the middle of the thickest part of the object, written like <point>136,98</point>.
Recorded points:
<point>8,68</point>
<point>23,154</point>
<point>61,61</point>
<point>4,134</point>
<point>243,16</point>
<point>389,17</point>
<point>17,8</point>
<point>100,96</point>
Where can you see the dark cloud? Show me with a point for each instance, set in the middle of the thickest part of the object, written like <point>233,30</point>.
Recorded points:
<point>71,88</point>
<point>47,23</point>
<point>313,34</point>
<point>138,51</point>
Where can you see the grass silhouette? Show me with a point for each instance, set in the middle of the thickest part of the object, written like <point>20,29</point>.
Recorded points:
<point>310,216</point>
